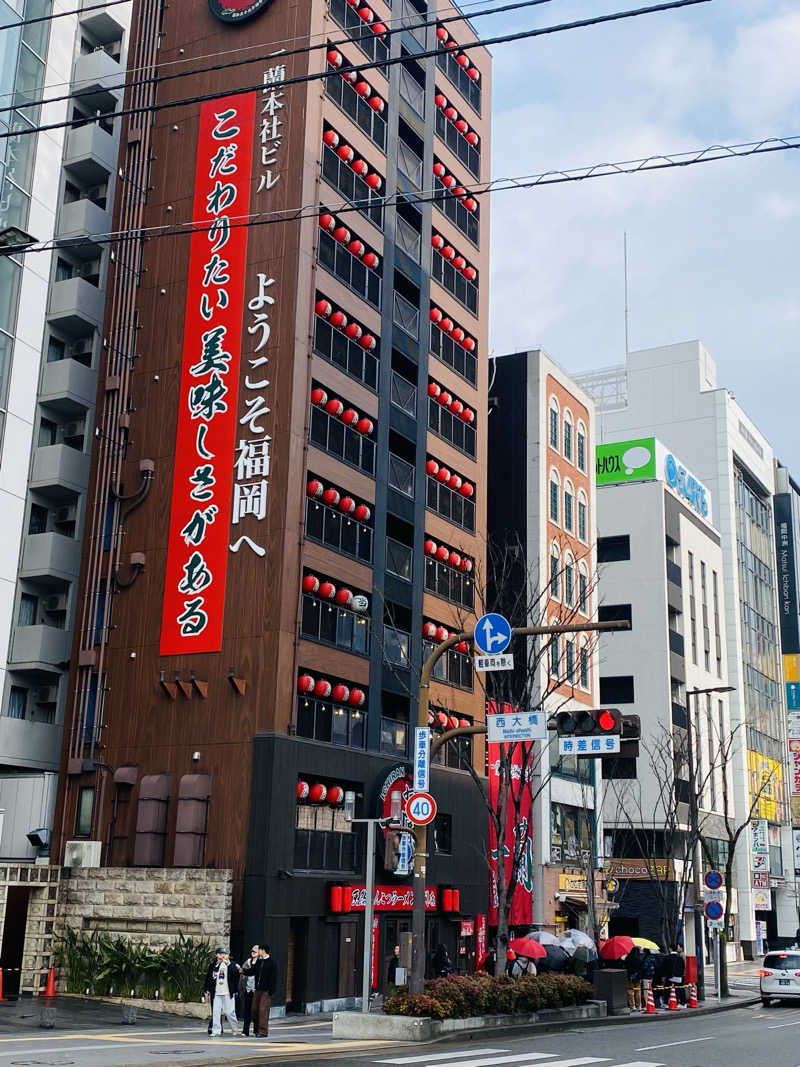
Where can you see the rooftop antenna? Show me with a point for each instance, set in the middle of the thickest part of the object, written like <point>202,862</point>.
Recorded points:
<point>625,268</point>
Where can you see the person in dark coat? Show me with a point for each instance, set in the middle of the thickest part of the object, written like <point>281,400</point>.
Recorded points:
<point>661,975</point>
<point>394,963</point>
<point>677,967</point>
<point>441,962</point>
<point>266,983</point>
<point>247,988</point>
<point>490,962</point>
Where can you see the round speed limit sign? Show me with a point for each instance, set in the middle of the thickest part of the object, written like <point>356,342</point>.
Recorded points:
<point>421,808</point>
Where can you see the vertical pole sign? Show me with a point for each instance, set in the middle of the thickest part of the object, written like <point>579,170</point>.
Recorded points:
<point>422,757</point>
<point>200,512</point>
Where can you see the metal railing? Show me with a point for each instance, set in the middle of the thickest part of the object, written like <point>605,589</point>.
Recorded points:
<point>412,92</point>
<point>409,239</point>
<point>405,315</point>
<point>409,163</point>
<point>404,394</point>
<point>396,646</point>
<point>399,559</point>
<point>401,475</point>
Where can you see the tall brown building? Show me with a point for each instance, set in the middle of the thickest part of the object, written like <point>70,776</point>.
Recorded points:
<point>289,473</point>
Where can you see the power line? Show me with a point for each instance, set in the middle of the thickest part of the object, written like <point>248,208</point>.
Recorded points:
<point>711,154</point>
<point>62,14</point>
<point>366,36</point>
<point>505,38</point>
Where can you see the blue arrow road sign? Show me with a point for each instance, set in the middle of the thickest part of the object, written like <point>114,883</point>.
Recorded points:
<point>492,634</point>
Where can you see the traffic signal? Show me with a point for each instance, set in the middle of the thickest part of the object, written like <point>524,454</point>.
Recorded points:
<point>600,722</point>
<point>629,736</point>
<point>392,853</point>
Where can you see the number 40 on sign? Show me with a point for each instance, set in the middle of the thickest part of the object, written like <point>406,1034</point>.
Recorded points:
<point>421,808</point>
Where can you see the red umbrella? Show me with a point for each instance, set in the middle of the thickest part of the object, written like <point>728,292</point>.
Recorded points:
<point>616,947</point>
<point>526,946</point>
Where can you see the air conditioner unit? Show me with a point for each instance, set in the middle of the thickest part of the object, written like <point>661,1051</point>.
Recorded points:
<point>69,513</point>
<point>82,853</point>
<point>80,348</point>
<point>87,270</point>
<point>97,193</point>
<point>45,694</point>
<point>55,604</point>
<point>73,429</point>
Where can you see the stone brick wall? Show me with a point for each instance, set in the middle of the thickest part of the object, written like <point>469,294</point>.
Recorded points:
<point>153,904</point>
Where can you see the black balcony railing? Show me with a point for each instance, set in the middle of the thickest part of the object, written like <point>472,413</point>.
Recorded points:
<point>458,144</point>
<point>342,441</point>
<point>348,269</point>
<point>450,505</point>
<point>335,346</point>
<point>454,282</point>
<point>321,720</point>
<point>457,76</point>
<point>450,584</point>
<point>451,353</point>
<point>445,424</point>
<point>352,187</point>
<point>333,625</point>
<point>337,531</point>
<point>371,122</point>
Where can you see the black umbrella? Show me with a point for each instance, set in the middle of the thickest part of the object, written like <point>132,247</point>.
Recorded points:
<point>556,959</point>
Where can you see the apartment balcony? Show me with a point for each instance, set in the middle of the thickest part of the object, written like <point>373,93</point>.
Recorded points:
<point>76,221</point>
<point>76,306</point>
<point>42,651</point>
<point>100,23</point>
<point>94,79</point>
<point>68,387</point>
<point>33,745</point>
<point>90,153</point>
<point>51,558</point>
<point>59,471</point>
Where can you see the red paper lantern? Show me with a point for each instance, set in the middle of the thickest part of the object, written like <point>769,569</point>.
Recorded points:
<point>442,474</point>
<point>456,900</point>
<point>463,648</point>
<point>347,505</point>
<point>318,396</point>
<point>357,698</point>
<point>439,170</point>
<point>317,793</point>
<point>442,33</point>
<point>443,398</point>
<point>363,88</point>
<point>349,417</point>
<point>451,113</point>
<point>454,559</point>
<point>448,252</point>
<point>323,307</point>
<point>338,319</point>
<point>451,43</point>
<point>327,222</point>
<point>347,898</point>
<point>378,28</point>
<point>302,790</point>
<point>364,426</point>
<point>470,273</point>
<point>441,634</point>
<point>374,181</point>
<point>344,597</point>
<point>362,512</point>
<point>327,591</point>
<point>469,344</point>
<point>437,241</point>
<point>336,795</point>
<point>464,722</point>
<point>457,334</point>
<point>473,73</point>
<point>356,247</point>
<point>454,481</point>
<point>467,415</point>
<point>441,720</point>
<point>314,488</point>
<point>472,138</point>
<point>365,14</point>
<point>429,629</point>
<point>377,104</point>
<point>322,688</point>
<point>341,234</point>
<point>305,684</point>
<point>370,260</point>
<point>467,489</point>
<point>430,717</point>
<point>310,583</point>
<point>334,58</point>
<point>440,100</point>
<point>353,330</point>
<point>456,407</point>
<point>336,898</point>
<point>441,553</point>
<point>350,76</point>
<point>429,548</point>
<point>360,167</point>
<point>467,565</point>
<point>367,341</point>
<point>461,125</point>
<point>459,262</point>
<point>446,325</point>
<point>331,138</point>
<point>460,192</point>
<point>435,315</point>
<point>345,153</point>
<point>462,60</point>
<point>452,722</point>
<point>432,467</point>
<point>340,693</point>
<point>434,389</point>
<point>447,900</point>
<point>334,407</point>
<point>448,181</point>
<point>470,203</point>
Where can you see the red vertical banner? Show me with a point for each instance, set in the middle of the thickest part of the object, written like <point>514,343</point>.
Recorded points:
<point>520,829</point>
<point>480,940</point>
<point>200,511</point>
<point>374,981</point>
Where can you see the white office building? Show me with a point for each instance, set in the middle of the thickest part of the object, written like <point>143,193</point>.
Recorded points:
<point>672,393</point>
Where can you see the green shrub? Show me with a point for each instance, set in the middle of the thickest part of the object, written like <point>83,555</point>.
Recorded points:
<point>465,996</point>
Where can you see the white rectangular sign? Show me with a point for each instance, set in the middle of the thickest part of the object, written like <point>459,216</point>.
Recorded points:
<point>714,894</point>
<point>588,746</point>
<point>517,726</point>
<point>505,662</point>
<point>715,924</point>
<point>422,758</point>
<point>793,725</point>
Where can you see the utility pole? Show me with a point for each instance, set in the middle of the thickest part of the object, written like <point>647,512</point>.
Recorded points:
<point>416,982</point>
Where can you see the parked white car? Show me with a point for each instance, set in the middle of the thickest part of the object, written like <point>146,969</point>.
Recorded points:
<point>780,975</point>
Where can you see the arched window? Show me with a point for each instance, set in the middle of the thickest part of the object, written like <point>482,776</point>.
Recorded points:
<point>583,666</point>
<point>568,435</point>
<point>569,579</point>
<point>583,517</point>
<point>554,418</point>
<point>583,589</point>
<point>582,446</point>
<point>569,506</point>
<point>570,659</point>
<point>555,652</point>
<point>555,493</point>
<point>555,572</point>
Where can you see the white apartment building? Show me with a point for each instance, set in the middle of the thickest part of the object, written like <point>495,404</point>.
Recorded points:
<point>55,185</point>
<point>673,393</point>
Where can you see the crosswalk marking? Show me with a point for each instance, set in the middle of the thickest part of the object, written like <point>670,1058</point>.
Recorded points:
<point>443,1056</point>
<point>640,1063</point>
<point>459,1059</point>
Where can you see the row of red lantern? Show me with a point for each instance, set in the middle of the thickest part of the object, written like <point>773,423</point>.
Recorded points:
<point>450,182</point>
<point>349,327</point>
<point>462,58</point>
<point>356,247</point>
<point>447,555</point>
<point>453,116</point>
<point>366,14</point>
<point>341,897</point>
<point>326,590</point>
<point>433,632</point>
<point>362,88</point>
<point>441,396</point>
<point>339,693</point>
<point>441,721</point>
<point>451,900</point>
<point>319,793</point>
<point>457,261</point>
<point>347,155</point>
<point>451,480</point>
<point>334,499</point>
<point>446,325</point>
<point>336,408</point>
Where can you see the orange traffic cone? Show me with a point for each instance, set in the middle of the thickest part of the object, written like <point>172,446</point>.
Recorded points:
<point>673,1000</point>
<point>50,985</point>
<point>693,997</point>
<point>1,985</point>
<point>650,1008</point>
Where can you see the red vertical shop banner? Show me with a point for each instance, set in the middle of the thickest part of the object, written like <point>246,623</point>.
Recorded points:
<point>200,513</point>
<point>521,912</point>
<point>480,940</point>
<point>374,975</point>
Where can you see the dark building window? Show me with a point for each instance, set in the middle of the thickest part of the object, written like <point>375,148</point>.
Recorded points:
<point>449,583</point>
<point>83,814</point>
<point>331,435</point>
<point>333,625</point>
<point>614,613</point>
<point>465,291</point>
<point>371,122</point>
<point>323,841</point>
<point>348,269</point>
<point>613,549</point>
<point>340,532</point>
<point>151,820</point>
<point>370,44</point>
<point>451,505</point>
<point>443,834</point>
<point>457,752</point>
<point>451,428</point>
<point>463,219</point>
<point>348,355</point>
<point>322,720</point>
<point>449,352</point>
<point>453,668</point>
<point>458,144</point>
<point>17,702</point>
<point>469,89</point>
<point>352,187</point>
<point>616,689</point>
<point>194,791</point>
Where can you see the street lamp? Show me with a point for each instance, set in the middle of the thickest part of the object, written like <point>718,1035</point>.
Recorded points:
<point>13,240</point>
<point>694,824</point>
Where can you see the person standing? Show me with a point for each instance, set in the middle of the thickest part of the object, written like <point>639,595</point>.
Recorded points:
<point>266,981</point>
<point>394,963</point>
<point>247,987</point>
<point>222,980</point>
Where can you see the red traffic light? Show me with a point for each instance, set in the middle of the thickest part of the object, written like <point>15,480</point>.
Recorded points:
<point>607,721</point>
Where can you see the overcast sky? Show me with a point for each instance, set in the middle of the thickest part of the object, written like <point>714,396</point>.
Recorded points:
<point>712,249</point>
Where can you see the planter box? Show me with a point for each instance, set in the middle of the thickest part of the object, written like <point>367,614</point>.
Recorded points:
<point>356,1025</point>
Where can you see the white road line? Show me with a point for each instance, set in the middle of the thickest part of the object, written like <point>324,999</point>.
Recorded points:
<point>640,1063</point>
<point>520,1059</point>
<point>443,1056</point>
<point>669,1044</point>
<point>780,1026</point>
